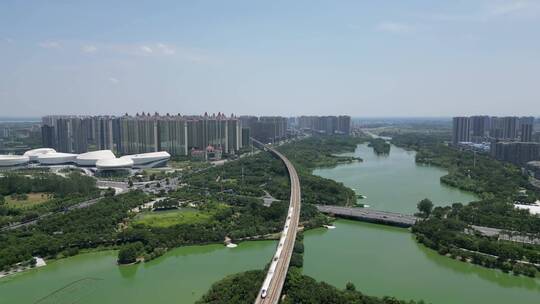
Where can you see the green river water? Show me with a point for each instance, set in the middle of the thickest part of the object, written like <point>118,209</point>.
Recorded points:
<point>380,260</point>
<point>394,182</point>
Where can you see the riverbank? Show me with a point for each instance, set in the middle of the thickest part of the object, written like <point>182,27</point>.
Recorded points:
<point>380,260</point>
<point>172,274</point>
<point>394,182</point>
<point>451,235</point>
<point>19,268</point>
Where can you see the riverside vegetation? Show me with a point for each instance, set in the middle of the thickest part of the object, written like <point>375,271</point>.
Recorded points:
<point>379,145</point>
<point>499,185</point>
<point>54,192</point>
<point>228,196</point>
<point>298,288</point>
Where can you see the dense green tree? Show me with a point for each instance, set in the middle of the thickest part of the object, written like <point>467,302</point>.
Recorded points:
<point>498,185</point>
<point>130,252</point>
<point>425,206</point>
<point>243,288</point>
<point>379,145</point>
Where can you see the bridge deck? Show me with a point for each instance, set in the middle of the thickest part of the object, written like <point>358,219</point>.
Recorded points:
<point>369,215</point>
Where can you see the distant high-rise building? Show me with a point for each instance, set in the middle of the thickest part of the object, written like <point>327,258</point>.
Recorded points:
<point>103,132</point>
<point>536,137</point>
<point>496,128</point>
<point>48,136</point>
<point>79,130</point>
<point>480,126</point>
<point>526,125</point>
<point>137,134</point>
<point>344,124</point>
<point>461,130</point>
<point>246,134</point>
<point>326,124</point>
<point>518,153</point>
<point>173,135</point>
<point>63,135</point>
<point>264,128</point>
<point>510,127</point>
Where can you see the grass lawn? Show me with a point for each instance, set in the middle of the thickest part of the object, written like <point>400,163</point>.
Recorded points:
<point>172,217</point>
<point>33,199</point>
<point>186,164</point>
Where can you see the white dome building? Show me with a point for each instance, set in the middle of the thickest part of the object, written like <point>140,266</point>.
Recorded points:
<point>13,160</point>
<point>90,159</point>
<point>56,158</point>
<point>149,160</point>
<point>35,153</point>
<point>110,164</point>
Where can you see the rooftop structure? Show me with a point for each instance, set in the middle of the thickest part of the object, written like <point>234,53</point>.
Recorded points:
<point>56,158</point>
<point>13,160</point>
<point>90,159</point>
<point>114,163</point>
<point>35,153</point>
<point>149,160</point>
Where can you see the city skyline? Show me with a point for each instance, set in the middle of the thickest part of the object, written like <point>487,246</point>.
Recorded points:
<point>373,60</point>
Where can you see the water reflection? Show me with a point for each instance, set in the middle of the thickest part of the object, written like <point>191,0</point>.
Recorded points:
<point>128,271</point>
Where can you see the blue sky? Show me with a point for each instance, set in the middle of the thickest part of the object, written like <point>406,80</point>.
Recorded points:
<point>363,58</point>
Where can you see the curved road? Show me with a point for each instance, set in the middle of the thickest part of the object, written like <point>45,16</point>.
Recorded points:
<point>278,279</point>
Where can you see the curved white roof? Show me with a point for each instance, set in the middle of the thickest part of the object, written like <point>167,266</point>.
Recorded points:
<point>33,154</point>
<point>114,163</point>
<point>56,158</point>
<point>148,159</point>
<point>13,160</point>
<point>90,158</point>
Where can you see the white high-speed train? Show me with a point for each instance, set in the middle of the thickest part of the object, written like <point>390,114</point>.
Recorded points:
<point>275,259</point>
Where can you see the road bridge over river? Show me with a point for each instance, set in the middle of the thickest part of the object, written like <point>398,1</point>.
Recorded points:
<point>405,220</point>
<point>369,215</point>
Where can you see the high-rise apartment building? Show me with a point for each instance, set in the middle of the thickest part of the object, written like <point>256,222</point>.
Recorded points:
<point>103,132</point>
<point>172,136</point>
<point>326,124</point>
<point>265,128</point>
<point>496,127</point>
<point>483,128</point>
<point>48,136</point>
<point>526,126</point>
<point>344,124</point>
<point>518,153</point>
<point>480,126</point>
<point>510,127</point>
<point>461,130</point>
<point>138,134</point>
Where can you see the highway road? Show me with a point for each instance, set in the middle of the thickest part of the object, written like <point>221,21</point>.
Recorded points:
<point>277,277</point>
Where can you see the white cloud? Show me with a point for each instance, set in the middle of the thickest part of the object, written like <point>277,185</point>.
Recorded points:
<point>508,7</point>
<point>89,49</point>
<point>155,49</point>
<point>394,27</point>
<point>146,49</point>
<point>493,9</point>
<point>165,49</point>
<point>8,40</point>
<point>50,45</point>
<point>113,80</point>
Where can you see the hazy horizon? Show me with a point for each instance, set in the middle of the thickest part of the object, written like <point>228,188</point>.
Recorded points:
<point>380,60</point>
